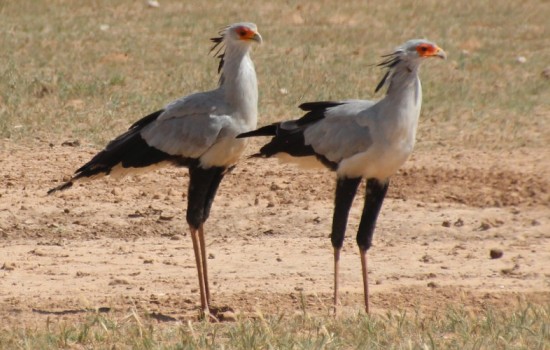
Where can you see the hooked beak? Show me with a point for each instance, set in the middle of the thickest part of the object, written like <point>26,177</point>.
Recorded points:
<point>257,38</point>
<point>440,53</point>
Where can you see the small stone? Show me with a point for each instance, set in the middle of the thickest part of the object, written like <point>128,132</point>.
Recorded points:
<point>71,143</point>
<point>521,59</point>
<point>8,266</point>
<point>484,226</point>
<point>153,3</point>
<point>211,256</point>
<point>446,223</point>
<point>459,223</point>
<point>118,281</point>
<point>496,253</point>
<point>535,222</point>
<point>279,259</point>
<point>426,258</point>
<point>432,284</point>
<point>37,252</point>
<point>227,316</point>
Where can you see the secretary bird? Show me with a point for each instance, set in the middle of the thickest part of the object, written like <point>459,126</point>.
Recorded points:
<point>197,131</point>
<point>357,139</point>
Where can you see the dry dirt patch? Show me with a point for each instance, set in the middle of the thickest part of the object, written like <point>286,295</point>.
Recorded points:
<point>118,245</point>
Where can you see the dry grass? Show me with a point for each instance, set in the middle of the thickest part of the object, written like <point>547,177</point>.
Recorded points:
<point>526,327</point>
<point>62,76</point>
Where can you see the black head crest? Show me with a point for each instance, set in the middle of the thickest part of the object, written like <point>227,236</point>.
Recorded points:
<point>219,47</point>
<point>391,60</point>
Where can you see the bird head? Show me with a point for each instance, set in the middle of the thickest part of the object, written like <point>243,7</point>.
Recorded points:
<point>419,49</point>
<point>238,34</point>
<point>412,53</point>
<point>243,33</point>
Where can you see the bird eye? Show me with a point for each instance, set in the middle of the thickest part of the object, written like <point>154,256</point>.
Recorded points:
<point>242,31</point>
<point>424,49</point>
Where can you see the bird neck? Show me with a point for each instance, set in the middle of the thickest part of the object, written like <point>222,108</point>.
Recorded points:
<point>401,105</point>
<point>404,82</point>
<point>239,83</point>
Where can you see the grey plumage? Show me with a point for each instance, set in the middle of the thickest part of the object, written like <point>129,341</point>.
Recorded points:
<point>358,139</point>
<point>197,131</point>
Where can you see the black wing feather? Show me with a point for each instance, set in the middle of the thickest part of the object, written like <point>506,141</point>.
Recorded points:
<point>288,137</point>
<point>146,120</point>
<point>315,111</point>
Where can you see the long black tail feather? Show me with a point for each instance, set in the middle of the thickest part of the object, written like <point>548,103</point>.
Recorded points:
<point>128,150</point>
<point>268,130</point>
<point>61,187</point>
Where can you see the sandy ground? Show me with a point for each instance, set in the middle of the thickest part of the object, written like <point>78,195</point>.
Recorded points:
<point>118,245</point>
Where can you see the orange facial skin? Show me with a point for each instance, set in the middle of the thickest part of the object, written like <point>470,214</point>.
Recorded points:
<point>246,33</point>
<point>428,50</point>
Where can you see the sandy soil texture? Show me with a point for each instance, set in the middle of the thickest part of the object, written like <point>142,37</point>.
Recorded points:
<point>115,245</point>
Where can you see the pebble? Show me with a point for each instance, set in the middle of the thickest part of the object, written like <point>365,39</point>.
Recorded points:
<point>496,253</point>
<point>8,266</point>
<point>228,316</point>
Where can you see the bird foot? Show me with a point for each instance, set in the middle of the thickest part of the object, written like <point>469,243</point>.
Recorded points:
<point>217,314</point>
